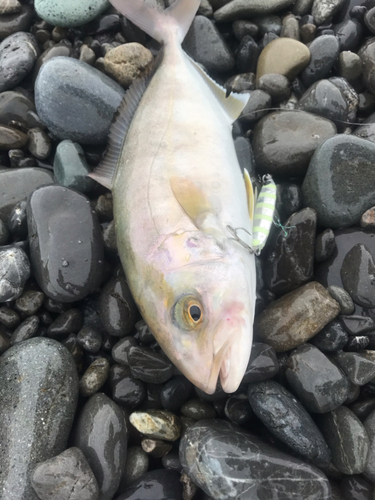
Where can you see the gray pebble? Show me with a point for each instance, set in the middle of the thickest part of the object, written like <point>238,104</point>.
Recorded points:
<point>14,271</point>
<point>27,329</point>
<point>343,298</point>
<point>94,377</point>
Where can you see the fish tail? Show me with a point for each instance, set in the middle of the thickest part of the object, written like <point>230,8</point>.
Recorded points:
<point>170,25</point>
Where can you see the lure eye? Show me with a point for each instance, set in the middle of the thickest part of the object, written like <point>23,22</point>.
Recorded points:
<point>187,313</point>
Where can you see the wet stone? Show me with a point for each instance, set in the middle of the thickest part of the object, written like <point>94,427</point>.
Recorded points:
<point>156,447</point>
<point>320,385</point>
<point>35,428</point>
<point>277,86</point>
<point>101,434</point>
<point>144,333</point>
<point>127,63</point>
<point>70,14</point>
<point>296,317</point>
<point>288,199</point>
<point>156,485</point>
<point>14,272</point>
<point>285,141</point>
<point>325,99</point>
<point>358,275</point>
<point>126,389</point>
<point>90,339</point>
<point>243,9</point>
<point>70,167</point>
<point>9,318</point>
<point>356,487</point>
<point>29,302</point>
<point>198,410</point>
<point>137,462</point>
<point>171,461</point>
<point>120,350</point>
<point>368,218</point>
<point>54,478</point>
<point>11,138</point>
<point>67,269</point>
<point>149,366</point>
<point>363,407</point>
<point>332,338</point>
<point>324,53</point>
<point>347,439</point>
<point>68,322</point>
<point>27,329</point>
<point>157,424</point>
<point>88,100</point>
<point>356,366</point>
<point>175,393</point>
<point>4,233</point>
<point>252,468</point>
<point>238,410</point>
<point>263,363</point>
<point>17,222</point>
<point>288,420</point>
<point>94,377</point>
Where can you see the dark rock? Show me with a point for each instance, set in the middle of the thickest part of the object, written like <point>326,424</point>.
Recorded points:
<point>324,245</point>
<point>358,367</point>
<point>363,407</point>
<point>104,207</point>
<point>156,485</point>
<point>349,34</point>
<point>277,86</point>
<point>35,427</point>
<point>101,434</point>
<point>68,322</point>
<point>175,393</point>
<point>319,384</point>
<point>27,329</point>
<point>239,83</point>
<point>67,268</point>
<point>137,462</point>
<point>17,222</point>
<point>350,68</point>
<point>357,344</point>
<point>247,55</point>
<point>367,55</point>
<point>263,364</point>
<point>198,410</point>
<point>11,138</point>
<point>149,366</point>
<point>239,9</point>
<point>238,410</point>
<point>29,302</point>
<point>357,325</point>
<point>126,389</point>
<point>9,318</point>
<point>171,461</point>
<point>94,377</point>
<point>90,339</point>
<point>156,447</point>
<point>13,22</point>
<point>343,298</point>
<point>256,107</point>
<point>120,350</point>
<point>356,487</point>
<point>39,143</point>
<point>70,167</point>
<point>324,52</point>
<point>288,200</point>
<point>332,338</point>
<point>4,233</point>
<point>144,333</point>
<point>325,99</point>
<point>358,275</point>
<point>248,469</point>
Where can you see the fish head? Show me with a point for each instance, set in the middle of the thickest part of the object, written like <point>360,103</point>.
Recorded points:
<point>204,318</point>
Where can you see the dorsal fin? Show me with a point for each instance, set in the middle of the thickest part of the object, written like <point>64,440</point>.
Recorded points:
<point>105,172</point>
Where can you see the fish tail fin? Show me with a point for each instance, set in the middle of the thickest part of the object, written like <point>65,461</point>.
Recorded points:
<point>172,24</point>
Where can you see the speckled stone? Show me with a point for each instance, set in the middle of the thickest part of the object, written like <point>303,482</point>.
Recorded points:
<point>356,366</point>
<point>296,317</point>
<point>94,377</point>
<point>69,14</point>
<point>157,424</point>
<point>324,53</point>
<point>248,468</point>
<point>158,484</point>
<point>127,62</point>
<point>358,275</point>
<point>35,423</point>
<point>324,9</point>
<point>14,271</point>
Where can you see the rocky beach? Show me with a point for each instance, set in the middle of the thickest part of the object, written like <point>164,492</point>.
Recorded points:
<point>90,406</point>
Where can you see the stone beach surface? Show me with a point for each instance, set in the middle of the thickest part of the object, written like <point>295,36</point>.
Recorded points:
<point>90,406</point>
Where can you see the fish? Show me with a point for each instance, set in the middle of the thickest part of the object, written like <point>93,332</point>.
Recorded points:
<point>183,209</point>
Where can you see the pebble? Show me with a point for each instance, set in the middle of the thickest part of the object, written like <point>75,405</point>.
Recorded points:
<point>293,319</point>
<point>10,7</point>
<point>18,53</point>
<point>27,329</point>
<point>324,53</point>
<point>36,424</point>
<point>127,63</point>
<point>324,245</point>
<point>67,269</point>
<point>288,420</point>
<point>284,141</point>
<point>370,19</point>
<point>101,434</point>
<point>68,322</point>
<point>137,462</point>
<point>94,377</point>
<point>357,325</point>
<point>247,55</point>
<point>4,233</point>
<point>120,350</point>
<point>16,22</point>
<point>11,138</point>
<point>175,393</point>
<point>263,363</point>
<point>326,99</point>
<point>331,169</point>
<point>284,56</point>
<point>66,476</point>
<point>368,218</point>
<point>70,167</point>
<point>358,275</point>
<point>88,100</point>
<point>347,439</point>
<point>253,470</point>
<point>277,86</point>
<point>29,302</point>
<point>288,199</point>
<point>157,424</point>
<point>356,487</point>
<point>349,34</point>
<point>331,338</point>
<point>350,66</point>
<point>90,339</point>
<point>9,318</point>
<point>320,385</point>
<point>367,55</point>
<point>104,207</point>
<point>70,14</point>
<point>198,410</point>
<point>256,106</point>
<point>171,461</point>
<point>60,49</point>
<point>324,9</point>
<point>290,260</point>
<point>356,366</point>
<point>156,447</point>
<point>149,366</point>
<point>17,221</point>
<point>158,484</point>
<point>245,9</point>
<point>14,272</point>
<point>126,389</point>
<point>118,311</point>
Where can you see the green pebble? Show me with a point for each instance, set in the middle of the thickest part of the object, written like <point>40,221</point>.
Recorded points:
<point>70,167</point>
<point>70,13</point>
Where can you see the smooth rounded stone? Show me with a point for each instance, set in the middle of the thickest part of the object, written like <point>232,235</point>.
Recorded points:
<point>27,329</point>
<point>156,447</point>
<point>288,199</point>
<point>18,53</point>
<point>356,487</point>
<point>290,260</point>
<point>247,55</point>
<point>68,322</point>
<point>29,302</point>
<point>324,245</point>
<point>126,389</point>
<point>149,366</point>
<point>10,7</point>
<point>4,233</point>
<point>87,103</point>
<point>102,435</point>
<point>127,63</point>
<point>288,420</point>
<point>109,238</point>
<point>60,49</point>
<point>341,161</point>
<point>284,141</point>
<point>11,138</point>
<point>256,106</point>
<point>120,350</point>
<point>9,318</point>
<point>70,167</point>
<point>358,343</point>
<point>370,19</point>
<point>137,463</point>
<point>175,393</point>
<point>268,24</point>
<point>367,55</point>
<point>354,394</point>
<point>14,272</point>
<point>367,129</point>
<point>369,425</point>
<point>238,410</point>
<point>324,9</point>
<point>349,34</point>
<point>157,424</point>
<point>239,83</point>
<point>296,317</point>
<point>118,311</point>
<point>363,407</point>
<point>90,339</point>
<point>39,143</point>
<point>356,366</point>
<point>198,410</point>
<point>205,45</point>
<point>368,218</point>
<point>307,32</point>
<point>35,423</point>
<point>284,56</point>
<point>14,106</point>
<point>290,27</point>
<point>67,268</point>
<point>358,275</point>
<point>331,338</point>
<point>171,461</point>
<point>302,7</point>
<point>320,385</point>
<point>347,439</point>
<point>87,55</point>
<point>158,484</point>
<point>350,96</point>
<point>144,333</point>
<point>16,22</point>
<point>254,469</point>
<point>17,184</point>
<point>243,27</point>
<point>69,14</point>
<point>324,51</point>
<point>263,364</point>
<point>325,99</point>
<point>277,86</point>
<point>17,222</point>
<point>94,377</point>
<point>66,476</point>
<point>245,9</point>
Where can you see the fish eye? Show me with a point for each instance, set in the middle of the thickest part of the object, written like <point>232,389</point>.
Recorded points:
<point>187,312</point>
<point>195,313</point>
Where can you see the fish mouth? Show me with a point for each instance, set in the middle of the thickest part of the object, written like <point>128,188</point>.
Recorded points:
<point>221,367</point>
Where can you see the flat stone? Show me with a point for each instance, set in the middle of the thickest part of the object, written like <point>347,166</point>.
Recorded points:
<point>284,56</point>
<point>70,167</point>
<point>88,100</point>
<point>324,51</point>
<point>16,22</point>
<point>149,366</point>
<point>14,106</point>
<point>11,138</point>
<point>66,268</point>
<point>320,385</point>
<point>69,14</point>
<point>253,469</point>
<point>36,423</point>
<point>127,63</point>
<point>356,366</point>
<point>244,9</point>
<point>158,484</point>
<point>157,424</point>
<point>340,162</point>
<point>324,9</point>
<point>67,475</point>
<point>284,141</point>
<point>14,272</point>
<point>358,275</point>
<point>296,317</point>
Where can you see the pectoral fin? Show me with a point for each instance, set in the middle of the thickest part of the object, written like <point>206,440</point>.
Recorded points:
<point>192,199</point>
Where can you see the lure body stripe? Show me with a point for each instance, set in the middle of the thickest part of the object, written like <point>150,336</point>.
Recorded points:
<point>264,211</point>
